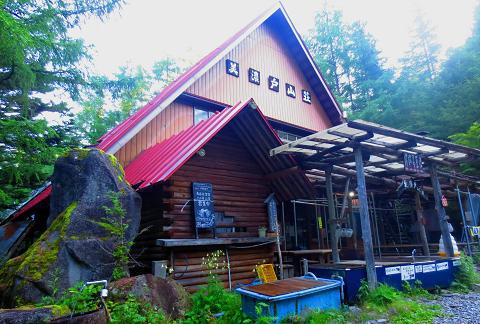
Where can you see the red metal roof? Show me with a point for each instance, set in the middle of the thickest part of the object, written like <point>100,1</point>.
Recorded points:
<point>38,198</point>
<point>318,83</point>
<point>160,161</point>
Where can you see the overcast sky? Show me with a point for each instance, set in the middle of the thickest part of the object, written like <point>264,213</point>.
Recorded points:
<point>144,31</point>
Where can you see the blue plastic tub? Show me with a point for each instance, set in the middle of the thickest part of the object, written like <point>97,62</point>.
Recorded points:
<point>327,296</point>
<point>430,273</point>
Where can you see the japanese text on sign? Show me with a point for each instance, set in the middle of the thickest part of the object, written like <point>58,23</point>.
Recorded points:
<point>273,83</point>
<point>412,162</point>
<point>253,76</point>
<point>203,205</point>
<point>233,68</point>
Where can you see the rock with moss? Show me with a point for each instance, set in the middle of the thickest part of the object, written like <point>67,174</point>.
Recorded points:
<point>165,294</point>
<point>75,247</point>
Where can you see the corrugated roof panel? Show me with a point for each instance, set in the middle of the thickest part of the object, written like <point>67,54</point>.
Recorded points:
<point>160,161</point>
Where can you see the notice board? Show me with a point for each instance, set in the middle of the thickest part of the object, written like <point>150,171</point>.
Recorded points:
<point>203,205</point>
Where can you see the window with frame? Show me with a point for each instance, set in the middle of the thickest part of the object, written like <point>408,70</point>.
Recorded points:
<point>286,136</point>
<point>200,114</point>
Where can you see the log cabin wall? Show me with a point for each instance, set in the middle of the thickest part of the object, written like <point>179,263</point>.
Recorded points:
<point>172,120</point>
<point>239,189</point>
<point>263,50</point>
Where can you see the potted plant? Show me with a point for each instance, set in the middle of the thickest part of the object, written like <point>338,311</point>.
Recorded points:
<point>262,231</point>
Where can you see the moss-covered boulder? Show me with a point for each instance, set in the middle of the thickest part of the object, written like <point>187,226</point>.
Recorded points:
<point>75,247</point>
<point>166,294</point>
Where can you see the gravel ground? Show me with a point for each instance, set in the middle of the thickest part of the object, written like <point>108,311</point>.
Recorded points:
<point>459,308</point>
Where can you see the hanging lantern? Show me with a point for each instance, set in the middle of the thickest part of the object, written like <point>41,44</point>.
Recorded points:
<point>444,201</point>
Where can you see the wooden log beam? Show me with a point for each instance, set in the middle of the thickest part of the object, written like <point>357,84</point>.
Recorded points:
<point>396,133</point>
<point>421,226</point>
<point>332,217</point>
<point>442,216</point>
<point>365,221</point>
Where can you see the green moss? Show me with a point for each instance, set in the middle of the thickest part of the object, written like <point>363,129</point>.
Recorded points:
<point>114,162</point>
<point>35,262</point>
<point>80,153</point>
<point>60,310</point>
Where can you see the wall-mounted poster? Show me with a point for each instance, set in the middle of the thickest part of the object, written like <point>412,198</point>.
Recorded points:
<point>203,205</point>
<point>412,162</point>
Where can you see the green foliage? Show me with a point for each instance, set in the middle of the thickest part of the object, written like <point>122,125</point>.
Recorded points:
<point>134,311</point>
<point>116,225</point>
<point>466,275</point>
<point>214,299</point>
<point>416,290</point>
<point>349,60</point>
<point>399,307</point>
<point>327,316</point>
<point>423,95</point>
<point>126,92</point>
<point>77,299</point>
<point>39,70</point>
<point>28,149</point>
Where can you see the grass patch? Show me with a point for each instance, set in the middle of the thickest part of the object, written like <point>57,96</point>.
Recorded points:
<point>466,275</point>
<point>384,302</point>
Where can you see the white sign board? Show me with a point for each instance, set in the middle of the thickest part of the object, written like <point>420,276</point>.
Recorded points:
<point>392,270</point>
<point>442,266</point>
<point>408,272</point>
<point>428,268</point>
<point>456,263</point>
<point>418,268</point>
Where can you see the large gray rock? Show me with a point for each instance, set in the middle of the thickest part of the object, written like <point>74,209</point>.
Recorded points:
<point>74,247</point>
<point>166,294</point>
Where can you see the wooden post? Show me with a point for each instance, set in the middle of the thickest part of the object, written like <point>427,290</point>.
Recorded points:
<point>442,216</point>
<point>365,220</point>
<point>332,219</point>
<point>421,226</point>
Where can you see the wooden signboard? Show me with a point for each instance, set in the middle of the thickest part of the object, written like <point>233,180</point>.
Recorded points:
<point>412,162</point>
<point>203,205</point>
<point>272,212</point>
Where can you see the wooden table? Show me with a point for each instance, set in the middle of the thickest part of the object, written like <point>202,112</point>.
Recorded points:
<point>322,255</point>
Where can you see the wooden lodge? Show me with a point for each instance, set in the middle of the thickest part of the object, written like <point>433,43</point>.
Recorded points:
<point>255,118</point>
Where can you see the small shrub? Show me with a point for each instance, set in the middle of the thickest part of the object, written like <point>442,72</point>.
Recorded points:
<point>133,311</point>
<point>415,290</point>
<point>328,316</point>
<point>383,295</point>
<point>476,258</point>
<point>117,225</point>
<point>78,299</point>
<point>466,275</point>
<point>212,300</point>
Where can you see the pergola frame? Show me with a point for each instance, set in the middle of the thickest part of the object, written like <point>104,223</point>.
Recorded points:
<point>374,154</point>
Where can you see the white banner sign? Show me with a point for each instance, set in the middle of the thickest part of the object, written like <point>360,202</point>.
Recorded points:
<point>428,268</point>
<point>442,266</point>
<point>408,272</point>
<point>392,270</point>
